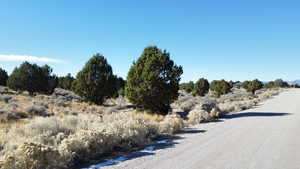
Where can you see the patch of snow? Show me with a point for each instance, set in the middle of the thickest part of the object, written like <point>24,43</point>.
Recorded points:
<point>125,157</point>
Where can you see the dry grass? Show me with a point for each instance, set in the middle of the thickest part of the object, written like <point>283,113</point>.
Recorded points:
<point>59,142</point>
<point>150,117</point>
<point>57,133</point>
<point>22,107</point>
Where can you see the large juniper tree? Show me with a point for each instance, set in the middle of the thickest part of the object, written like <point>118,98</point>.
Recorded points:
<point>95,82</point>
<point>153,81</point>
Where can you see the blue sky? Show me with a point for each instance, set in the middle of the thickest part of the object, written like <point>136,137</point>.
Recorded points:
<point>232,39</point>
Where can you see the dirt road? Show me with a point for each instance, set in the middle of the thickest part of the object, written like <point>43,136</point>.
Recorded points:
<point>265,137</point>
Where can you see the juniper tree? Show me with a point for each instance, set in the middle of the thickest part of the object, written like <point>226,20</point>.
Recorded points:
<point>3,77</point>
<point>32,78</point>
<point>95,82</point>
<point>201,87</point>
<point>66,82</point>
<point>188,87</point>
<point>254,85</point>
<point>153,81</point>
<point>220,87</point>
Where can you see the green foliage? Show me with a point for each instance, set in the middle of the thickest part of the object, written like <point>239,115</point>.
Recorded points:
<point>52,80</point>
<point>245,84</point>
<point>280,83</point>
<point>269,85</point>
<point>66,82</point>
<point>119,87</point>
<point>220,87</point>
<point>254,85</point>
<point>276,83</point>
<point>121,92</point>
<point>32,78</point>
<point>95,82</point>
<point>3,77</point>
<point>188,87</point>
<point>201,87</point>
<point>153,81</point>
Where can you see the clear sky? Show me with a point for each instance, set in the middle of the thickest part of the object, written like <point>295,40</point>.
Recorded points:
<point>215,39</point>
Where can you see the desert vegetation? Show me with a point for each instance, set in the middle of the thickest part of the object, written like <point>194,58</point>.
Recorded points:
<point>58,122</point>
<point>95,85</point>
<point>32,78</point>
<point>187,87</point>
<point>66,82</point>
<point>3,77</point>
<point>220,87</point>
<point>153,81</point>
<point>252,86</point>
<point>201,87</point>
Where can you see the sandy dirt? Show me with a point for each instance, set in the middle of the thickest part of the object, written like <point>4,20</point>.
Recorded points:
<point>265,137</point>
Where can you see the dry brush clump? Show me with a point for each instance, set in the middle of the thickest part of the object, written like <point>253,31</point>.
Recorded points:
<point>171,124</point>
<point>202,113</point>
<point>33,155</point>
<point>62,141</point>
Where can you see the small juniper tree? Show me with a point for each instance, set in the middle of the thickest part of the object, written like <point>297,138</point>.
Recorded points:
<point>188,87</point>
<point>220,87</point>
<point>280,83</point>
<point>66,82</point>
<point>3,77</point>
<point>201,87</point>
<point>254,86</point>
<point>119,87</point>
<point>95,82</point>
<point>245,84</point>
<point>269,85</point>
<point>153,81</point>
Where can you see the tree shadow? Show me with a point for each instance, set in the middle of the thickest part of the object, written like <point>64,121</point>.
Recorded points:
<point>216,120</point>
<point>191,131</point>
<point>253,114</point>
